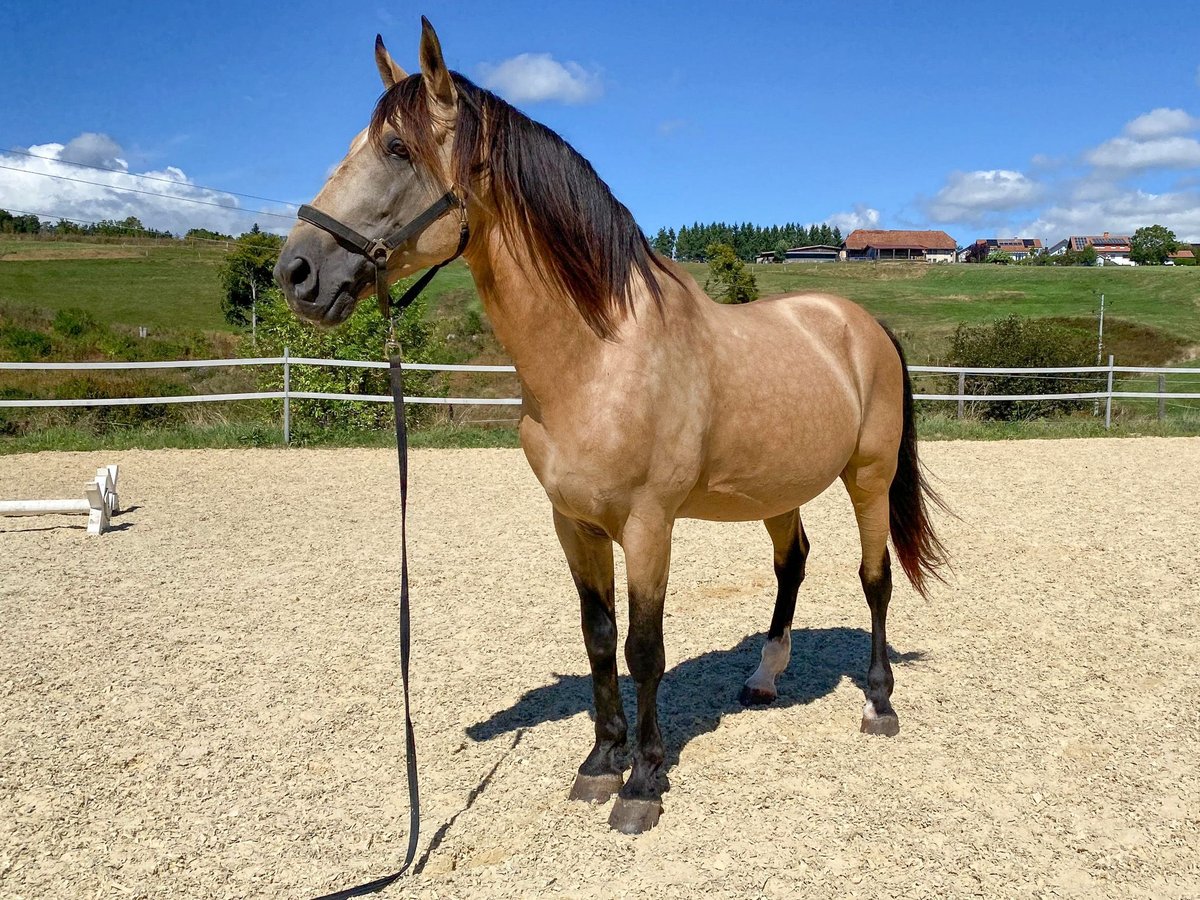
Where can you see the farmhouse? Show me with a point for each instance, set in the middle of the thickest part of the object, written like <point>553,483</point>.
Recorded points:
<point>1017,248</point>
<point>1108,246</point>
<point>929,246</point>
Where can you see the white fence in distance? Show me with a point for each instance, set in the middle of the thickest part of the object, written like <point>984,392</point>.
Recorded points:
<point>287,394</point>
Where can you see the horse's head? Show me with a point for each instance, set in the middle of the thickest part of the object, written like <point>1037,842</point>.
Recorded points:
<point>394,171</point>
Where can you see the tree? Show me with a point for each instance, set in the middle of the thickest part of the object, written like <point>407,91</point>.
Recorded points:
<point>999,257</point>
<point>728,281</point>
<point>664,243</point>
<point>245,273</point>
<point>1152,245</point>
<point>1087,256</point>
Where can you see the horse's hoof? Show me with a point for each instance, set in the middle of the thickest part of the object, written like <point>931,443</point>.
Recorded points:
<point>634,816</point>
<point>755,696</point>
<point>596,788</point>
<point>887,724</point>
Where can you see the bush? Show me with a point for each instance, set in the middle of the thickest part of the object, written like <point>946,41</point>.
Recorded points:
<point>361,337</point>
<point>1017,342</point>
<point>25,344</point>
<point>728,281</point>
<point>73,322</point>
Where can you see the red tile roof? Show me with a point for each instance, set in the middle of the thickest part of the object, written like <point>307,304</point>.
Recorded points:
<point>862,238</point>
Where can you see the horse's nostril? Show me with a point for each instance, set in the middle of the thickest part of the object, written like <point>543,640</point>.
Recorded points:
<point>298,271</point>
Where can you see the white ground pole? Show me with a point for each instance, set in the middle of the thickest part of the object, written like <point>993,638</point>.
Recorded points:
<point>100,502</point>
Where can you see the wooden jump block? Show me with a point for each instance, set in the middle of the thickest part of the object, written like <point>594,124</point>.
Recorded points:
<point>100,502</point>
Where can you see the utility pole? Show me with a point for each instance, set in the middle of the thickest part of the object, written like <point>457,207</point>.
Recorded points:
<point>254,312</point>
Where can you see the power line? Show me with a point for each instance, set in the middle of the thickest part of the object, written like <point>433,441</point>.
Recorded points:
<point>201,187</point>
<point>238,209</point>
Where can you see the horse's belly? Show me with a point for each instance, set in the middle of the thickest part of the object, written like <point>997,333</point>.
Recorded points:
<point>737,498</point>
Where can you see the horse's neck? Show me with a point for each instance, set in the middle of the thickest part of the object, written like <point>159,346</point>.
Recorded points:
<point>551,346</point>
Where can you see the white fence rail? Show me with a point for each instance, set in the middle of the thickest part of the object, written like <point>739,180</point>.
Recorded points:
<point>287,394</point>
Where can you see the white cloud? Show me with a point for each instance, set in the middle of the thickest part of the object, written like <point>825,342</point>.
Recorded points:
<point>862,216</point>
<point>539,77</point>
<point>1160,123</point>
<point>29,189</point>
<point>1123,213</point>
<point>973,196</point>
<point>1159,153</point>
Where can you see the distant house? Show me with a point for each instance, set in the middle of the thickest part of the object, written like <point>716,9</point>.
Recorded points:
<point>811,253</point>
<point>925,246</point>
<point>1108,246</point>
<point>1017,248</point>
<point>1184,254</point>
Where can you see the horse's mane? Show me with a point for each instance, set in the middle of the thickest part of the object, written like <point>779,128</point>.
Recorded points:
<point>582,240</point>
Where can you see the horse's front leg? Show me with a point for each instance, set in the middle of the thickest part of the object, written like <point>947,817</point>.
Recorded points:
<point>590,557</point>
<point>647,560</point>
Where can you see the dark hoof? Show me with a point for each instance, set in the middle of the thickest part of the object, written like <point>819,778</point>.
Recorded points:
<point>755,697</point>
<point>887,724</point>
<point>595,788</point>
<point>634,816</point>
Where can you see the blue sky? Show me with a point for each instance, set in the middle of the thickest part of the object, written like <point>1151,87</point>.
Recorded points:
<point>1020,119</point>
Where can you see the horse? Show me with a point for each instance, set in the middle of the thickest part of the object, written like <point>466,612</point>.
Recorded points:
<point>644,401</point>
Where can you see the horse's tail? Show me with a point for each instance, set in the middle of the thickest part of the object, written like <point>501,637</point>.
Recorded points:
<point>920,551</point>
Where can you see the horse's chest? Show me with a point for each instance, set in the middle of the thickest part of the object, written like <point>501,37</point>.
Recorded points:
<point>591,484</point>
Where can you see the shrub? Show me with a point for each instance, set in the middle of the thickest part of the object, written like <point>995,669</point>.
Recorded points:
<point>728,281</point>
<point>25,344</point>
<point>73,322</point>
<point>361,337</point>
<point>1017,342</point>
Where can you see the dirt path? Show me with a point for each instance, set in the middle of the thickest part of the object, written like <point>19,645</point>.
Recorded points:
<point>204,702</point>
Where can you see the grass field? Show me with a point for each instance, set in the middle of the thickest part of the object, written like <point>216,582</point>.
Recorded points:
<point>176,286</point>
<point>1153,318</point>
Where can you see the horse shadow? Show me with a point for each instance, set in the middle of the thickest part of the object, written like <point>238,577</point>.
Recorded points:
<point>698,693</point>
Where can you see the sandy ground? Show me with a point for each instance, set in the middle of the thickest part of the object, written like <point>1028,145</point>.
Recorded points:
<point>204,702</point>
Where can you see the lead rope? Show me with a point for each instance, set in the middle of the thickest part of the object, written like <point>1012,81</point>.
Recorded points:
<point>395,356</point>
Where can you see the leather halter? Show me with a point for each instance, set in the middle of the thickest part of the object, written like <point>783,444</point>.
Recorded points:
<point>377,250</point>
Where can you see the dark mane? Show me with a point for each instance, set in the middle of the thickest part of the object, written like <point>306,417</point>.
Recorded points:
<point>583,241</point>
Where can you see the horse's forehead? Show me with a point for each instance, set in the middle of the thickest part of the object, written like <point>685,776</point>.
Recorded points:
<point>360,141</point>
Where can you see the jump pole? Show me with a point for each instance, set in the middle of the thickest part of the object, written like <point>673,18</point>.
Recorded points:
<point>100,502</point>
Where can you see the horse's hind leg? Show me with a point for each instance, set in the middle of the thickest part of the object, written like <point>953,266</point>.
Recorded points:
<point>791,550</point>
<point>868,485</point>
<point>590,557</point>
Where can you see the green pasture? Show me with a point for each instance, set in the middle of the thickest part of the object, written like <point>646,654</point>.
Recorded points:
<point>1153,313</point>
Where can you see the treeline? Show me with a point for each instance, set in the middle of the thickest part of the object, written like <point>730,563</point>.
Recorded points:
<point>130,226</point>
<point>691,243</point>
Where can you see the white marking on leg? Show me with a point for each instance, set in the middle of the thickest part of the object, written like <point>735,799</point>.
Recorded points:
<point>775,655</point>
<point>869,711</point>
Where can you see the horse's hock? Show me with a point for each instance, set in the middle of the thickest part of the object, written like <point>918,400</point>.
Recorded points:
<point>207,703</point>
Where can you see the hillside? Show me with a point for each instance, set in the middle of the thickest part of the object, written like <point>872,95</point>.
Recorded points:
<point>1153,313</point>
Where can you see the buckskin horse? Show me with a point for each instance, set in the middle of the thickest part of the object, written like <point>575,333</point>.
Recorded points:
<point>643,400</point>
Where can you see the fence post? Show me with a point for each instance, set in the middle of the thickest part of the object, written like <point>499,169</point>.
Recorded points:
<point>1162,401</point>
<point>287,411</point>
<point>1108,400</point>
<point>962,390</point>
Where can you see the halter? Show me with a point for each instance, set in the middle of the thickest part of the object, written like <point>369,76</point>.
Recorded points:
<point>377,250</point>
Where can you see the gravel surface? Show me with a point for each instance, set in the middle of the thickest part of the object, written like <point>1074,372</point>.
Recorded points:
<point>205,701</point>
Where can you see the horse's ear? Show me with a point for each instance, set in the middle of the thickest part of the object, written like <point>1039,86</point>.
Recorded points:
<point>437,78</point>
<point>388,70</point>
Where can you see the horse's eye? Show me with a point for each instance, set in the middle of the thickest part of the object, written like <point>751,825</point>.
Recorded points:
<point>397,149</point>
